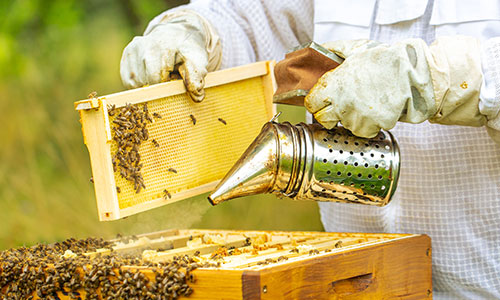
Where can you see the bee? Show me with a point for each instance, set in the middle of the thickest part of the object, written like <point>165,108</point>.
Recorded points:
<point>166,194</point>
<point>222,121</point>
<point>193,119</point>
<point>157,115</point>
<point>133,156</point>
<point>270,260</point>
<point>155,143</point>
<point>112,110</point>
<point>215,256</point>
<point>338,244</point>
<point>146,114</point>
<point>141,181</point>
<point>133,120</point>
<point>125,108</point>
<point>314,251</point>
<point>172,170</point>
<point>92,95</point>
<point>118,190</point>
<point>91,179</point>
<point>118,133</point>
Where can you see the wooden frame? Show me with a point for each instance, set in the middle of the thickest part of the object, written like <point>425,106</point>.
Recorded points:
<point>98,136</point>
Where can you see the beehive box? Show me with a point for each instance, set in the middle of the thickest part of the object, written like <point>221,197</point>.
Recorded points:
<point>235,265</point>
<point>186,148</point>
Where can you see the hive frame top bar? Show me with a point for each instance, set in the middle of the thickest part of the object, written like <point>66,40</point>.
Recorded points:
<point>175,87</point>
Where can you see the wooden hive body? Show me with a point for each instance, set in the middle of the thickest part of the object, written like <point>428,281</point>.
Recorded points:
<point>348,266</point>
<point>288,265</point>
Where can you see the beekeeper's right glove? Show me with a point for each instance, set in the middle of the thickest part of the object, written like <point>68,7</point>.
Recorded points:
<point>182,41</point>
<point>379,84</point>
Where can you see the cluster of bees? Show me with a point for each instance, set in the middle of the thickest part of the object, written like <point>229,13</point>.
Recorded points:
<point>46,272</point>
<point>129,131</point>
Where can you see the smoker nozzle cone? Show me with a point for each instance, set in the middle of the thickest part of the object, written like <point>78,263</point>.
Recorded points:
<point>254,172</point>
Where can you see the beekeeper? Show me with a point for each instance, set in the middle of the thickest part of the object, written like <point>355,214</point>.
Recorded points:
<point>426,63</point>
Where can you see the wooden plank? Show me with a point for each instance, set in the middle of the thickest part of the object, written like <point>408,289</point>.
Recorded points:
<point>152,235</point>
<point>141,243</point>
<point>170,242</point>
<point>250,281</point>
<point>176,87</point>
<point>318,244</point>
<point>269,83</point>
<point>213,284</point>
<point>128,211</point>
<point>202,249</point>
<point>399,269</point>
<point>250,233</point>
<point>100,160</point>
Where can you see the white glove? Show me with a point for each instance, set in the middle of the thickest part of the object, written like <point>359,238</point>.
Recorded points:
<point>378,85</point>
<point>182,41</point>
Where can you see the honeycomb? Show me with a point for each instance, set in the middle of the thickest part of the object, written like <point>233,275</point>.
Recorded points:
<point>199,153</point>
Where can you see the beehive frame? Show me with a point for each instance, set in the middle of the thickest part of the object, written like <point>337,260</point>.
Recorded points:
<point>241,97</point>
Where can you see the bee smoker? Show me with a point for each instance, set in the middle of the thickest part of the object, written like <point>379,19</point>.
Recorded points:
<point>309,162</point>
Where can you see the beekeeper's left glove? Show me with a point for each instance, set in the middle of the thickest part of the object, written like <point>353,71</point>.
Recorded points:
<point>379,84</point>
<point>181,41</point>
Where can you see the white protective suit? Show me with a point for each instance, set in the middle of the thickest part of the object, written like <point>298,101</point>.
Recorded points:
<point>449,186</point>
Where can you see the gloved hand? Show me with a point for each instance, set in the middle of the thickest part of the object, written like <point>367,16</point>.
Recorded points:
<point>184,42</point>
<point>379,84</point>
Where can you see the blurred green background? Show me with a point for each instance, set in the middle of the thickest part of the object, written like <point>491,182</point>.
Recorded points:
<point>53,53</point>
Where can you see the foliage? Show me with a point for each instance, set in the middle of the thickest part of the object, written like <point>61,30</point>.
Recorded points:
<point>53,53</point>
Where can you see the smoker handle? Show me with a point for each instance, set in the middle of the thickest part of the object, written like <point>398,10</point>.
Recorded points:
<point>300,70</point>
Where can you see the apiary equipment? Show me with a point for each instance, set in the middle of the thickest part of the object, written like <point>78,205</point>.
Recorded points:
<point>229,264</point>
<point>186,148</point>
<point>299,71</point>
<point>309,162</point>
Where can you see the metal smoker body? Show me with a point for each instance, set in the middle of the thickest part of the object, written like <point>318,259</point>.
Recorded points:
<point>309,162</point>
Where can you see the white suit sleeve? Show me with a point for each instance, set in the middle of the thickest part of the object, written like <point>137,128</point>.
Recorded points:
<point>489,103</point>
<point>254,30</point>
